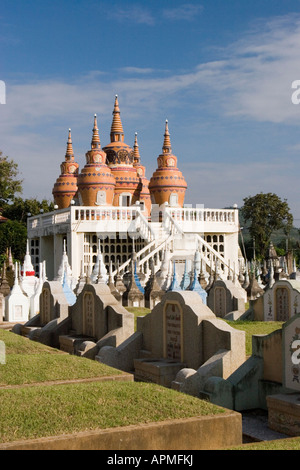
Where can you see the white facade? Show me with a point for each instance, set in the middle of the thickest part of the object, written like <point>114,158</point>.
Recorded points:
<point>124,230</point>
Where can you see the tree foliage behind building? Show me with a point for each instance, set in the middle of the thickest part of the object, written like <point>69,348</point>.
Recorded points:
<point>264,214</point>
<point>10,185</point>
<point>13,232</point>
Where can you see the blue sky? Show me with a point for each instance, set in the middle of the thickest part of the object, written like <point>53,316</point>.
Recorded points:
<point>219,71</point>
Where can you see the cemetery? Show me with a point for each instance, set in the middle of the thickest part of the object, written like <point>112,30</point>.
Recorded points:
<point>180,346</point>
<point>133,304</point>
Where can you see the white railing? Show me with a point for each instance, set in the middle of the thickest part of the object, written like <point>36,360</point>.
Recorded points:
<point>84,214</point>
<point>224,267</point>
<point>190,214</point>
<point>182,217</point>
<point>145,229</point>
<point>209,253</point>
<point>48,220</point>
<point>142,260</point>
<point>114,218</point>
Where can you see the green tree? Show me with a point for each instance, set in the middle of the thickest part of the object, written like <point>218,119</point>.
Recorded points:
<point>266,212</point>
<point>9,184</point>
<point>13,234</point>
<point>20,209</point>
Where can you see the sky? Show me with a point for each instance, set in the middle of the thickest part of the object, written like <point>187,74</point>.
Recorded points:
<point>220,71</point>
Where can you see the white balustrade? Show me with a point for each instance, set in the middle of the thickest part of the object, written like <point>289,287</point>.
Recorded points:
<point>189,214</point>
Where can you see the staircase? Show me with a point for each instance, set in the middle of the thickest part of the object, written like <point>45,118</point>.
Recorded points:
<point>161,236</point>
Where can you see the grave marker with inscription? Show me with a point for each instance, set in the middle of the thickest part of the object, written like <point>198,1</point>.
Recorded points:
<point>281,301</point>
<point>291,353</point>
<point>284,408</point>
<point>173,331</point>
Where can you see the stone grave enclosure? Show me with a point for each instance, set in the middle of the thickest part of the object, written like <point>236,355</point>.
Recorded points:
<point>180,335</point>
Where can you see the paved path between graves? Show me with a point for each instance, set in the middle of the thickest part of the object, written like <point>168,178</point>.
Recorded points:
<point>116,378</point>
<point>255,427</point>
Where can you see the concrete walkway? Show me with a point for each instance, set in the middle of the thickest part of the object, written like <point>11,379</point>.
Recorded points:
<point>255,427</point>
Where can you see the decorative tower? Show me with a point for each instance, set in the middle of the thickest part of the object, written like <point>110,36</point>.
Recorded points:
<point>96,183</point>
<point>167,183</point>
<point>144,193</point>
<point>120,159</point>
<point>65,188</point>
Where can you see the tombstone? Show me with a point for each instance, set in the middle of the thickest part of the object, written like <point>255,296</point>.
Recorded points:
<point>137,279</point>
<point>153,293</point>
<point>69,294</point>
<point>174,284</point>
<point>99,269</point>
<point>53,303</point>
<point>10,269</point>
<point>5,284</point>
<point>119,286</point>
<point>81,281</point>
<point>186,279</point>
<point>65,267</point>
<point>284,408</point>
<point>282,300</point>
<point>195,286</point>
<point>162,273</point>
<point>133,297</point>
<point>2,307</point>
<point>35,298</point>
<point>16,303</point>
<point>28,279</point>
<point>46,326</point>
<point>225,297</point>
<point>254,291</point>
<point>96,317</point>
<point>180,333</point>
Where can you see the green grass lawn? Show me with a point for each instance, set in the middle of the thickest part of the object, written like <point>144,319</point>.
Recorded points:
<point>42,411</point>
<point>292,443</point>
<point>138,312</point>
<point>29,362</point>
<point>250,327</point>
<point>255,328</point>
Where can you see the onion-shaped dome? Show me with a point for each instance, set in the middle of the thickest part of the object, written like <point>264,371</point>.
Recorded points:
<point>65,187</point>
<point>96,183</point>
<point>167,183</point>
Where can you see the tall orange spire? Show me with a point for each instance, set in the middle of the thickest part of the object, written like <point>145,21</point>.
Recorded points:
<point>65,187</point>
<point>167,148</point>
<point>69,151</point>
<point>136,152</point>
<point>167,183</point>
<point>96,184</point>
<point>116,133</point>
<point>95,139</point>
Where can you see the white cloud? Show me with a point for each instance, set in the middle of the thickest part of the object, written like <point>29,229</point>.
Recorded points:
<point>222,184</point>
<point>252,82</point>
<point>255,79</point>
<point>133,14</point>
<point>186,12</point>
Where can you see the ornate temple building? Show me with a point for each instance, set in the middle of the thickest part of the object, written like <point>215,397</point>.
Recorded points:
<point>108,210</point>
